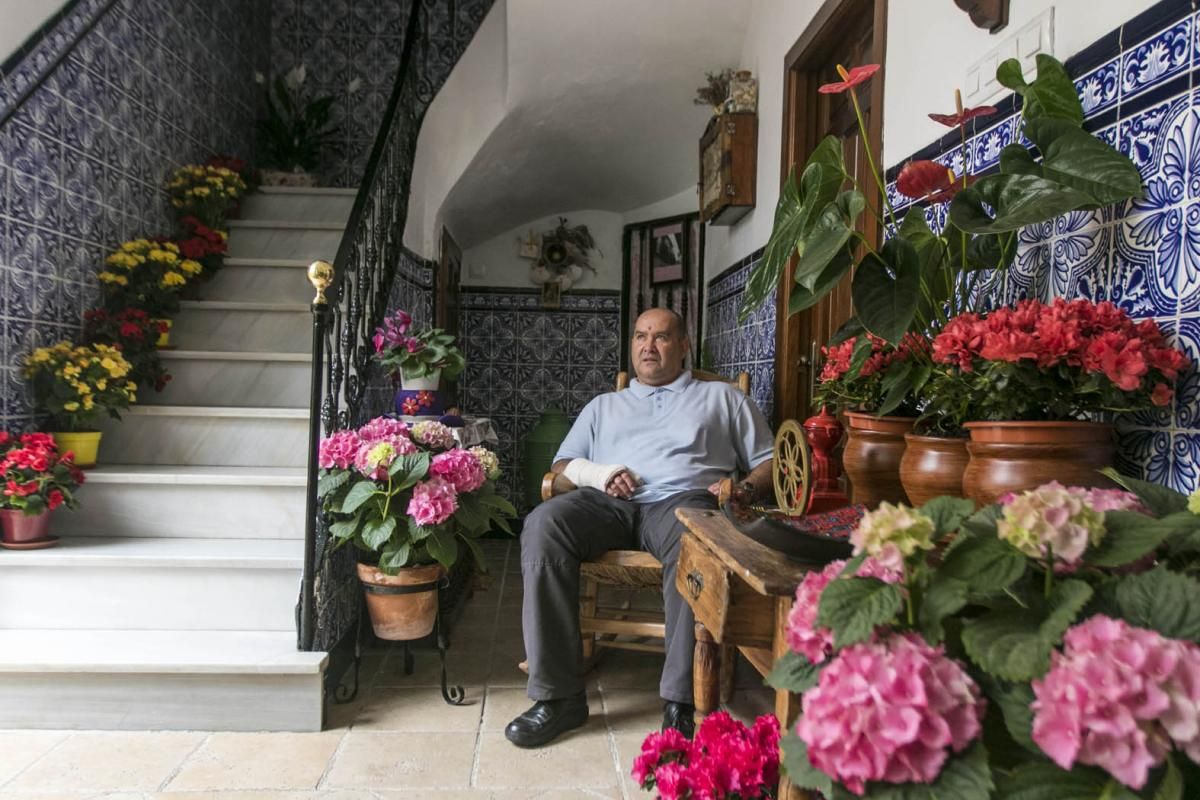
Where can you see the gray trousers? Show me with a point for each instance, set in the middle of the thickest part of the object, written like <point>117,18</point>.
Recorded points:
<point>579,526</point>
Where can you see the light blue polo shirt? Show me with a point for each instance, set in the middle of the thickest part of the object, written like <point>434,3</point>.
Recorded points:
<point>685,435</point>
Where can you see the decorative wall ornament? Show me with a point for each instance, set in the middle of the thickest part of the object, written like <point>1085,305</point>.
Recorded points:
<point>564,255</point>
<point>991,15</point>
<point>716,90</point>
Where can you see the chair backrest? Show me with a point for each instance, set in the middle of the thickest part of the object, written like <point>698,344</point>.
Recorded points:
<point>741,380</point>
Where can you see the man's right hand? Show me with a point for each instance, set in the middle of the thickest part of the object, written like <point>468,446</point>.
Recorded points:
<point>621,485</point>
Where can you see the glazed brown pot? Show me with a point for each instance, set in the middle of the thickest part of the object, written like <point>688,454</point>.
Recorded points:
<point>933,466</point>
<point>1016,456</point>
<point>871,459</point>
<point>400,617</point>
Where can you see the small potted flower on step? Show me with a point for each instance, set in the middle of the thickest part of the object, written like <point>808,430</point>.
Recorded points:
<point>418,359</point>
<point>37,481</point>
<point>149,275</point>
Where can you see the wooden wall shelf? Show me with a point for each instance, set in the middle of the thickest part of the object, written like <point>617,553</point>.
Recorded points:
<point>728,168</point>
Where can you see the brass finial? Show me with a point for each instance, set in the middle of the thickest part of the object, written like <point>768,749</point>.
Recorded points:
<point>320,275</point>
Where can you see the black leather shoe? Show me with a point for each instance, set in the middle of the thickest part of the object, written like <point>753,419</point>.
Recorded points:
<point>547,720</point>
<point>680,717</point>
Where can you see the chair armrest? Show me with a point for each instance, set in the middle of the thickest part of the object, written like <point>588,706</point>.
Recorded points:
<point>555,483</point>
<point>725,491</point>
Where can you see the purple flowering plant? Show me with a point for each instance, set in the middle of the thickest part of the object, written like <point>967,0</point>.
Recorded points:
<point>409,495</point>
<point>1047,646</point>
<point>414,352</point>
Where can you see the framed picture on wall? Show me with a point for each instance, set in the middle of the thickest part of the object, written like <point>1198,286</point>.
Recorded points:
<point>551,294</point>
<point>668,253</point>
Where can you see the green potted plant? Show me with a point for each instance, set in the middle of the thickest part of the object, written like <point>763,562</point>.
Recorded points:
<point>409,499</point>
<point>149,275</point>
<point>206,193</point>
<point>37,481</point>
<point>417,358</point>
<point>296,130</point>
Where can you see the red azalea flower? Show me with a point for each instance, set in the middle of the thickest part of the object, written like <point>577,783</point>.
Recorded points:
<point>1161,395</point>
<point>963,115</point>
<point>54,499</point>
<point>850,79</point>
<point>409,406</point>
<point>131,330</point>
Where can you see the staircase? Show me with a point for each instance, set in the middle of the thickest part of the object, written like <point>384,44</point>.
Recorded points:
<point>170,603</point>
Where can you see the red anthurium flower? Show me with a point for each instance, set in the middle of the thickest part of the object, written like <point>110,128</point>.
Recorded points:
<point>954,120</point>
<point>930,181</point>
<point>850,78</point>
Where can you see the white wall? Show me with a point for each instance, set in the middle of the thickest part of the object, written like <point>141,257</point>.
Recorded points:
<point>463,114</point>
<point>921,77</point>
<point>496,263</point>
<point>686,202</point>
<point>19,19</point>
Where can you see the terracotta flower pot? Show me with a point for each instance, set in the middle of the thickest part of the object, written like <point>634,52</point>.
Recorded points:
<point>932,466</point>
<point>401,615</point>
<point>19,528</point>
<point>1016,456</point>
<point>874,447</point>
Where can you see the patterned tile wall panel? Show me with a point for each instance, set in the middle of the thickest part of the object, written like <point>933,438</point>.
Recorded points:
<point>143,88</point>
<point>1144,255</point>
<point>523,359</point>
<point>731,347</point>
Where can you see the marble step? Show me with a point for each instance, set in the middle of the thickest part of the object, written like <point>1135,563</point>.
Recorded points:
<point>200,436</point>
<point>276,239</point>
<point>189,503</point>
<point>224,378</point>
<point>265,280</point>
<point>159,680</point>
<point>299,204</point>
<point>242,326</point>
<point>130,583</point>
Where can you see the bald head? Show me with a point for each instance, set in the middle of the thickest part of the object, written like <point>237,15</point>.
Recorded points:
<point>659,346</point>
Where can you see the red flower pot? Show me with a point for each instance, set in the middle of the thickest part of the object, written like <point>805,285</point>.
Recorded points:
<point>20,528</point>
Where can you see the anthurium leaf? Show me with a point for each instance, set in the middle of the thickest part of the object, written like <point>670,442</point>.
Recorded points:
<point>1051,94</point>
<point>1017,201</point>
<point>375,532</point>
<point>361,493</point>
<point>947,513</point>
<point>1016,160</point>
<point>1043,780</point>
<point>794,673</point>
<point>862,351</point>
<point>965,776</point>
<point>1159,499</point>
<point>801,298</point>
<point>985,564</point>
<point>799,769</point>
<point>887,289</point>
<point>991,251</point>
<point>896,386</point>
<point>943,597</point>
<point>848,330</point>
<point>1129,535</point>
<point>828,238</point>
<point>1161,600</point>
<point>851,608</point>
<point>1078,159</point>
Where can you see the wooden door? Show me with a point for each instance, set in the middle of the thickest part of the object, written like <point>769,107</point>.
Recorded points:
<point>449,273</point>
<point>850,33</point>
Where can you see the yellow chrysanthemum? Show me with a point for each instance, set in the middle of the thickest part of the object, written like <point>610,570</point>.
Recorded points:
<point>71,406</point>
<point>130,386</point>
<point>40,356</point>
<point>172,279</point>
<point>70,371</point>
<point>82,388</point>
<point>101,385</point>
<point>174,248</point>
<point>201,191</point>
<point>191,267</point>
<point>163,256</point>
<point>88,402</point>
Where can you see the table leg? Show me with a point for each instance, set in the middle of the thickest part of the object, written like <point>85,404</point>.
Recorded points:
<point>706,669</point>
<point>787,704</point>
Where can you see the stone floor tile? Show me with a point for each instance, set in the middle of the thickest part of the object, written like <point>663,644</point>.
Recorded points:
<point>504,671</point>
<point>629,747</point>
<point>259,794</point>
<point>19,749</point>
<point>504,704</point>
<point>242,761</point>
<point>465,666</point>
<point>108,762</point>
<point>421,709</point>
<point>578,759</point>
<point>369,760</point>
<point>632,710</point>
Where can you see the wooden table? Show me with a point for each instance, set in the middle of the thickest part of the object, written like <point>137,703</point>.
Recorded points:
<point>741,592</point>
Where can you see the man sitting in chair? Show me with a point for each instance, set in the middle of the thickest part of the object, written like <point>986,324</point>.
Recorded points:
<point>666,442</point>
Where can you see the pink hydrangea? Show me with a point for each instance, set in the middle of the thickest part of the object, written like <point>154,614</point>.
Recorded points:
<point>433,502</point>
<point>726,759</point>
<point>338,451</point>
<point>803,635</point>
<point>433,434</point>
<point>461,468</point>
<point>382,428</point>
<point>1117,697</point>
<point>890,711</point>
<point>1052,516</point>
<point>1115,500</point>
<point>374,458</point>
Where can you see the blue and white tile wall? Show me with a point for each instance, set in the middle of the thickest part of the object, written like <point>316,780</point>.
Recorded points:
<point>523,359</point>
<point>732,347</point>
<point>1141,93</point>
<point>87,141</point>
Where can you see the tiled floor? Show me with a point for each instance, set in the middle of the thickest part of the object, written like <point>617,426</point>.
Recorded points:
<point>396,740</point>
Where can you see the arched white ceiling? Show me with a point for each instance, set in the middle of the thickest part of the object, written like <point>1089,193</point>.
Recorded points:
<point>596,112</point>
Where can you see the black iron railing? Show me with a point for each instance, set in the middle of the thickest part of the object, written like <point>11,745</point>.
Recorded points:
<point>356,290</point>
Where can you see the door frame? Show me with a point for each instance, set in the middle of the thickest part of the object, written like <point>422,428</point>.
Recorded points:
<point>794,361</point>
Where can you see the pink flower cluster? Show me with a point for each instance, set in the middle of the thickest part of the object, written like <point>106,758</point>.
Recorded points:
<point>839,356</point>
<point>433,434</point>
<point>1115,500</point>
<point>890,710</point>
<point>393,332</point>
<point>433,502</point>
<point>1097,338</point>
<point>460,468</point>
<point>1118,697</point>
<point>725,760</point>
<point>803,635</point>
<point>360,449</point>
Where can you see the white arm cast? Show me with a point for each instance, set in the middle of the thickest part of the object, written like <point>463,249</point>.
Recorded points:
<point>582,472</point>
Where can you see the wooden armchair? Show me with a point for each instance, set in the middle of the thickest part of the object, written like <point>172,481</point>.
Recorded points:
<point>600,623</point>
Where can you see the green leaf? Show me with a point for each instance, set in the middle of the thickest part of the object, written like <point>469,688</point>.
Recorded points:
<point>801,298</point>
<point>847,330</point>
<point>344,529</point>
<point>361,493</point>
<point>1171,785</point>
<point>1066,601</point>
<point>799,769</point>
<point>947,514</point>
<point>1016,160</point>
<point>1161,600</point>
<point>476,553</point>
<point>1078,159</point>
<point>887,289</point>
<point>1014,700</point>
<point>407,469</point>
<point>985,564</point>
<point>443,546</point>
<point>862,351</point>
<point>499,503</point>
<point>945,596</point>
<point>418,533</point>
<point>394,556</point>
<point>1015,643</point>
<point>1129,536</point>
<point>965,776</point>
<point>983,522</point>
<point>1042,780</point>
<point>1159,499</point>
<point>896,386</point>
<point>331,481</point>
<point>471,514</point>
<point>376,532</point>
<point>794,673</point>
<point>1017,201</point>
<point>827,239</point>
<point>851,608</point>
<point>1052,93</point>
